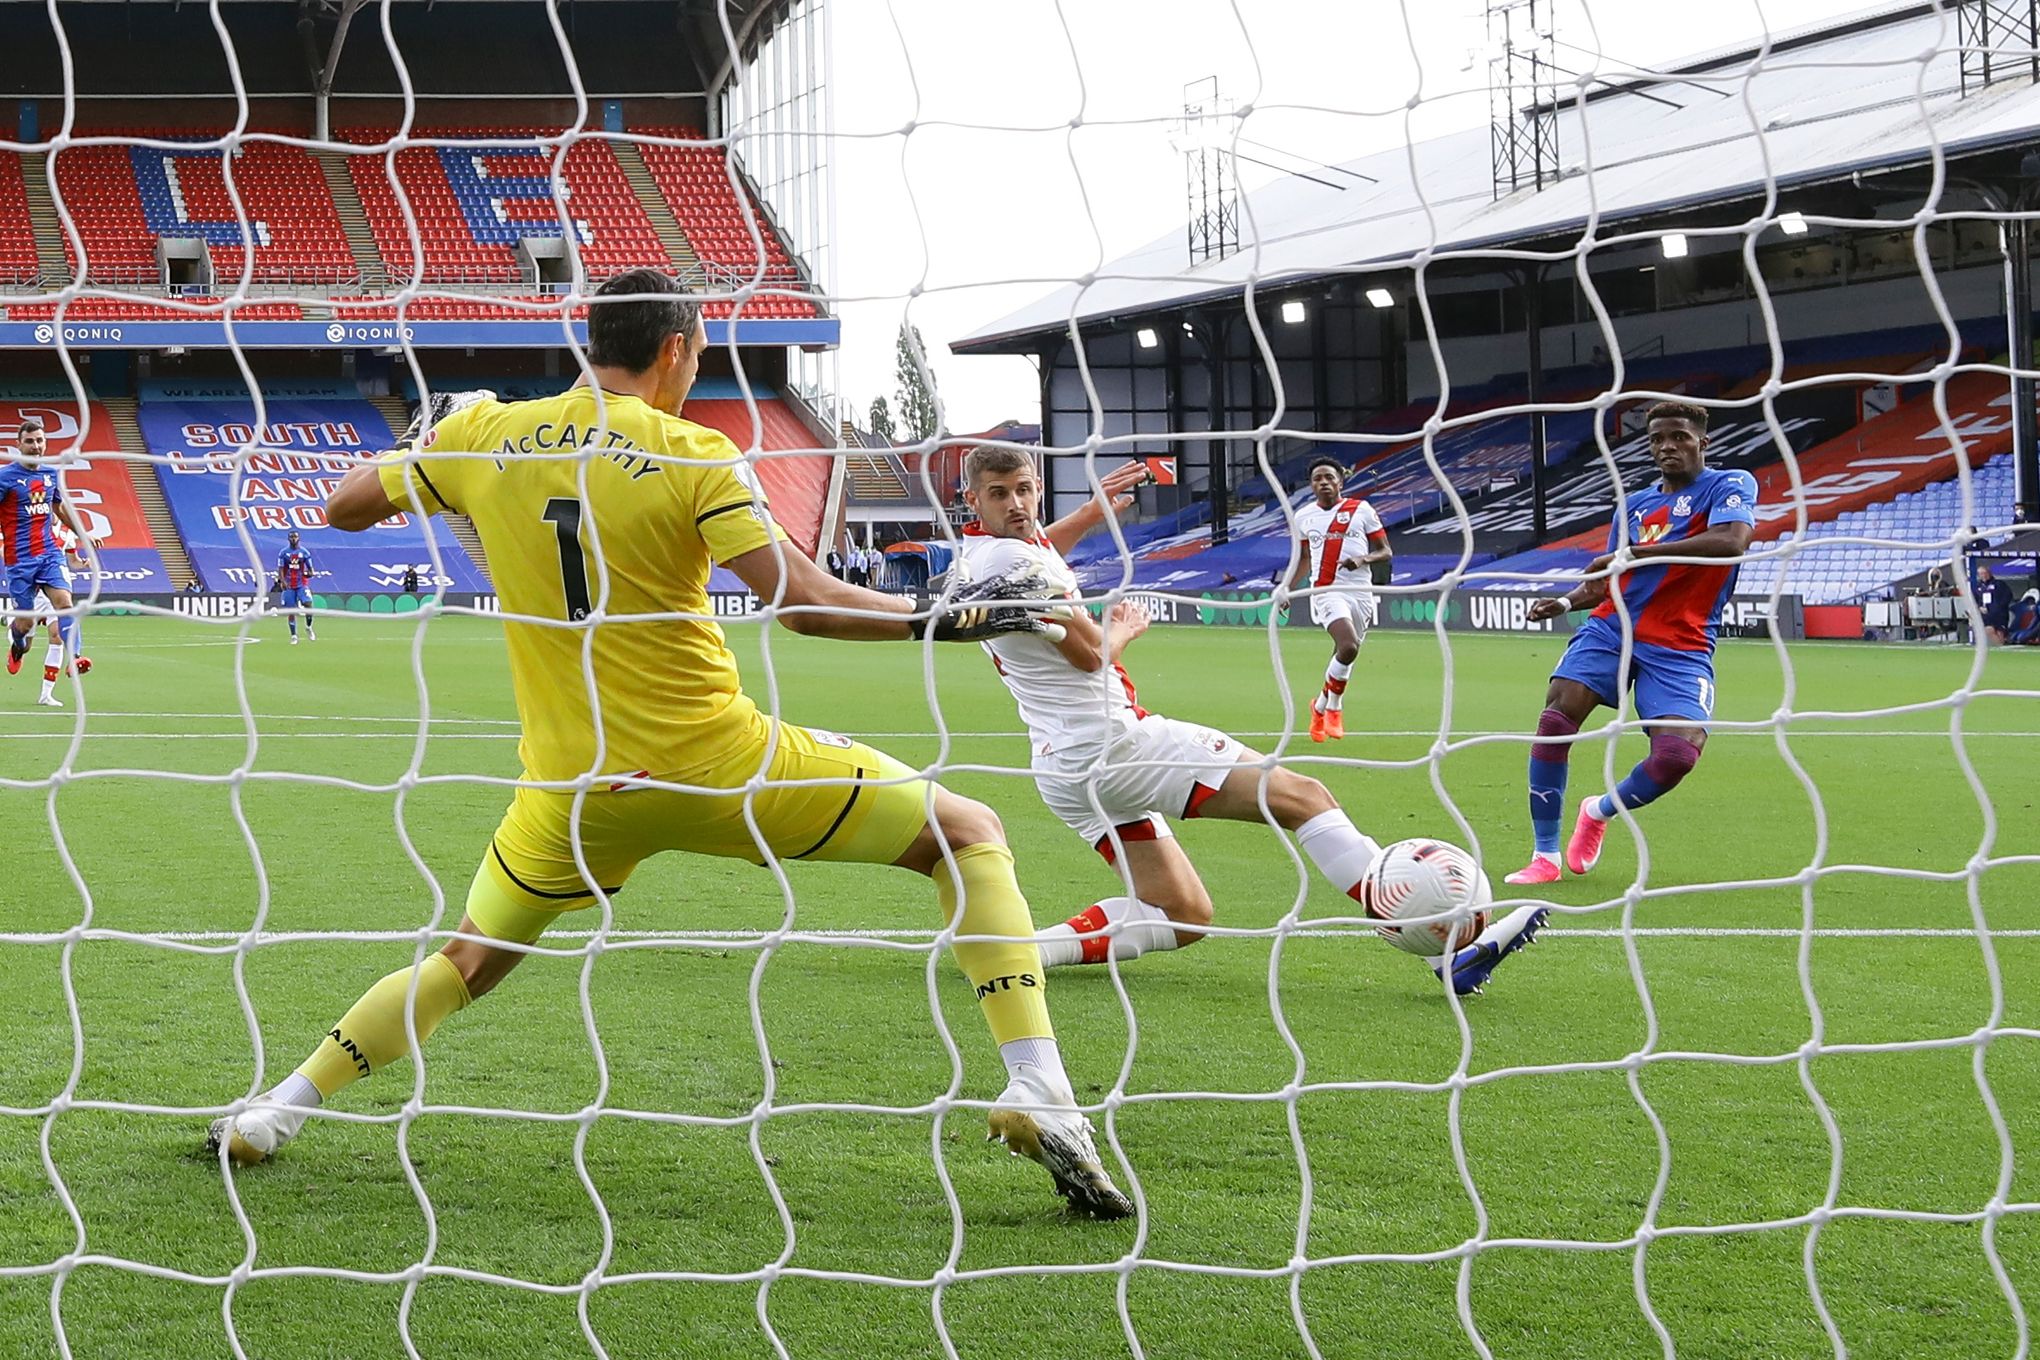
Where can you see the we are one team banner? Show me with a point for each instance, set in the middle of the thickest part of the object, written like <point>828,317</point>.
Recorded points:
<point>301,451</point>
<point>94,473</point>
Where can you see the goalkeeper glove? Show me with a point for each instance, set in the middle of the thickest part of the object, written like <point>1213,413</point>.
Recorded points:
<point>435,408</point>
<point>983,609</point>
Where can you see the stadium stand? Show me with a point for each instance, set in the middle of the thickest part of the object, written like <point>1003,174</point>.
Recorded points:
<point>142,309</point>
<point>474,200</point>
<point>462,238</point>
<point>718,223</point>
<point>18,261</point>
<point>124,198</point>
<point>1823,572</point>
<point>1846,463</point>
<point>531,307</point>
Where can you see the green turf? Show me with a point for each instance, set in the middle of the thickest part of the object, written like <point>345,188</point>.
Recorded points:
<point>1566,1155</point>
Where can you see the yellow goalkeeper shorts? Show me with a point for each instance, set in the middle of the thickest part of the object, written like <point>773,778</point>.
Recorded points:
<point>529,876</point>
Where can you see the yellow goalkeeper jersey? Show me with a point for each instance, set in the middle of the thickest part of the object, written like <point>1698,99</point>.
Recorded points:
<point>663,497</point>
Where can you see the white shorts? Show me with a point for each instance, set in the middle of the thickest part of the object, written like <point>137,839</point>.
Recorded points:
<point>1156,769</point>
<point>1355,606</point>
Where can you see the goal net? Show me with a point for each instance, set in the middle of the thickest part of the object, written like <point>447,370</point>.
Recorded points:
<point>1763,1089</point>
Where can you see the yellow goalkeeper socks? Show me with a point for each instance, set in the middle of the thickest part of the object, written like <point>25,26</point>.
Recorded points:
<point>371,1035</point>
<point>1007,972</point>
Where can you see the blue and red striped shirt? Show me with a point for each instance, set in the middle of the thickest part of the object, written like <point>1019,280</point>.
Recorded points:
<point>294,568</point>
<point>29,498</point>
<point>1679,605</point>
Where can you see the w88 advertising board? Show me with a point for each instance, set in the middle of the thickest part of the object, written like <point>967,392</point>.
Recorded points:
<point>297,456</point>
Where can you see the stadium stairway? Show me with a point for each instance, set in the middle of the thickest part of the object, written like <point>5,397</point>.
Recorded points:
<point>42,217</point>
<point>353,221</point>
<point>664,223</point>
<point>398,413</point>
<point>877,477</point>
<point>149,490</point>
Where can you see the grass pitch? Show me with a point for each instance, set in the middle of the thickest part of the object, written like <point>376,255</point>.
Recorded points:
<point>822,1226</point>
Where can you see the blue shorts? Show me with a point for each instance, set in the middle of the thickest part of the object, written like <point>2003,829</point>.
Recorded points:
<point>1668,683</point>
<point>45,572</point>
<point>297,597</point>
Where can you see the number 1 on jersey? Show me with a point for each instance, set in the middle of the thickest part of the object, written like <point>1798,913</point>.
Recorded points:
<point>565,517</point>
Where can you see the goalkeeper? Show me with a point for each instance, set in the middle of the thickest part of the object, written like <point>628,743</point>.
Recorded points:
<point>600,515</point>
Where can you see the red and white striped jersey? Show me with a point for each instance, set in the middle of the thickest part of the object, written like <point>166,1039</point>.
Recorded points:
<point>1068,712</point>
<point>1350,528</point>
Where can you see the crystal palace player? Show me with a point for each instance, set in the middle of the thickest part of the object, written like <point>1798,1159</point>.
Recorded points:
<point>31,504</point>
<point>294,575</point>
<point>1115,773</point>
<point>1693,511</point>
<point>619,506</point>
<point>1344,551</point>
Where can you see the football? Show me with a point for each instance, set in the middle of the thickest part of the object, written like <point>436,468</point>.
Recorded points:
<point>1420,878</point>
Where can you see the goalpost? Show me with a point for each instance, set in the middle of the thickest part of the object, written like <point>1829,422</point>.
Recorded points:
<point>1539,108</point>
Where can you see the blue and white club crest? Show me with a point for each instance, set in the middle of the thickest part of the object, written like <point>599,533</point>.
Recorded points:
<point>1683,506</point>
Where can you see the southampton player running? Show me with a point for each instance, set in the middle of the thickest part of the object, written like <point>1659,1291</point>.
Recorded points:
<point>294,575</point>
<point>613,545</point>
<point>1693,511</point>
<point>32,505</point>
<point>1115,773</point>
<point>1344,550</point>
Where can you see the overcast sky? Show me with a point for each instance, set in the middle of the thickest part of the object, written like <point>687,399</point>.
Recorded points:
<point>962,212</point>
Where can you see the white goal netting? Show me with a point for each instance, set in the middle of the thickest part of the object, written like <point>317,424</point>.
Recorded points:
<point>1762,199</point>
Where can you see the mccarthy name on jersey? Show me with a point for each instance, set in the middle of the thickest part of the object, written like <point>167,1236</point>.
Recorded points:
<point>586,504</point>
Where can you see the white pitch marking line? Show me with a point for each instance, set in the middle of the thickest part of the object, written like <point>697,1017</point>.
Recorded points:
<point>411,725</point>
<point>166,646</point>
<point>1354,932</point>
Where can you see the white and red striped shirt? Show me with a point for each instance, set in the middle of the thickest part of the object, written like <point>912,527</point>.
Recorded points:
<point>1325,533</point>
<point>1070,714</point>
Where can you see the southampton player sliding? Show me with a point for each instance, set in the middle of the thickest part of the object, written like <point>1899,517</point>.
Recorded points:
<point>1344,550</point>
<point>1115,773</point>
<point>32,506</point>
<point>602,550</point>
<point>294,575</point>
<point>1693,511</point>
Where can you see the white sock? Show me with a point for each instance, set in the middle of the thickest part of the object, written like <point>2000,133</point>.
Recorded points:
<point>1059,946</point>
<point>53,659</point>
<point>295,1089</point>
<point>1594,808</point>
<point>1338,849</point>
<point>1548,856</point>
<point>1043,1056</point>
<point>1337,673</point>
<point>1144,929</point>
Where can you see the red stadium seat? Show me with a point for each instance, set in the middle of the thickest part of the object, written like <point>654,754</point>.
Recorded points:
<point>18,263</point>
<point>291,219</point>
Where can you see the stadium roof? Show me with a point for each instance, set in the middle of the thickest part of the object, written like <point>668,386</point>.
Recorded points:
<point>1874,91</point>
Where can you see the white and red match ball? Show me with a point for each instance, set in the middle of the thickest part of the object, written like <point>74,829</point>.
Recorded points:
<point>1417,879</point>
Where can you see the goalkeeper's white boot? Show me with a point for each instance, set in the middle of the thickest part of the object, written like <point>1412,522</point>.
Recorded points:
<point>256,1133</point>
<point>1042,1123</point>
